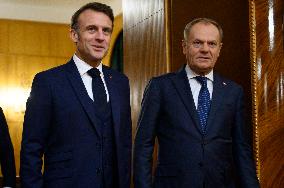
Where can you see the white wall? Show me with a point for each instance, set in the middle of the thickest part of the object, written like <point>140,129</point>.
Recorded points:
<point>55,11</point>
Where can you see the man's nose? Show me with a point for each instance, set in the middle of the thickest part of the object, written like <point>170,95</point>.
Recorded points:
<point>205,47</point>
<point>100,35</point>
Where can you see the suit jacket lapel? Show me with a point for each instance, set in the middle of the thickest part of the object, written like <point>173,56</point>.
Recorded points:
<point>217,99</point>
<point>81,92</point>
<point>114,99</point>
<point>181,83</point>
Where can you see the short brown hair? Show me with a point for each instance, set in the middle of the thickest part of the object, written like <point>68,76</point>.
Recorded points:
<point>205,21</point>
<point>95,6</point>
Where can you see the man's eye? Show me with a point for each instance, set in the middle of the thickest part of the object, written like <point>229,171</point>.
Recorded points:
<point>91,29</point>
<point>212,44</point>
<point>197,42</point>
<point>107,31</point>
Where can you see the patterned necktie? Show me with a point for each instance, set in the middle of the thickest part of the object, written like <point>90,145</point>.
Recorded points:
<point>99,92</point>
<point>203,102</point>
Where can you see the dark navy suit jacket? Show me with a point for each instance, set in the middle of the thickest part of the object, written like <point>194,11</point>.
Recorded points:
<point>7,159</point>
<point>186,157</point>
<point>60,124</point>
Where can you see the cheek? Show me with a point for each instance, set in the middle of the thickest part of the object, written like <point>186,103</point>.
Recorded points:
<point>216,57</point>
<point>107,42</point>
<point>193,53</point>
<point>217,53</point>
<point>184,50</point>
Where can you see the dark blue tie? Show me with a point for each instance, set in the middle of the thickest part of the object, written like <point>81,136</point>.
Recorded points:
<point>99,92</point>
<point>203,106</point>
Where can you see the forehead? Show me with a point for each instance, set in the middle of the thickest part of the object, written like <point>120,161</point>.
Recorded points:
<point>204,31</point>
<point>91,17</point>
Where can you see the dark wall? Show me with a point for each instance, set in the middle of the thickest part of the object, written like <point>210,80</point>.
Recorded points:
<point>144,42</point>
<point>255,60</point>
<point>233,16</point>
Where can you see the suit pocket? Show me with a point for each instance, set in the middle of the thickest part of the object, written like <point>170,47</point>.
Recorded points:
<point>58,165</point>
<point>166,177</point>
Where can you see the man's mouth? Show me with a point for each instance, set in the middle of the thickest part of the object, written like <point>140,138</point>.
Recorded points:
<point>98,48</point>
<point>204,58</point>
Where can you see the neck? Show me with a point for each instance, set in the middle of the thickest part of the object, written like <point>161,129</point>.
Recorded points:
<point>93,63</point>
<point>200,72</point>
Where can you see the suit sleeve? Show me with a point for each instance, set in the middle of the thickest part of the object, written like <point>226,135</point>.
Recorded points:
<point>6,154</point>
<point>129,134</point>
<point>243,155</point>
<point>35,132</point>
<point>145,136</point>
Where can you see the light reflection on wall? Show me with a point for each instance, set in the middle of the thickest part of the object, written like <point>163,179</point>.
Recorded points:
<point>282,86</point>
<point>259,68</point>
<point>13,99</point>
<point>265,92</point>
<point>271,25</point>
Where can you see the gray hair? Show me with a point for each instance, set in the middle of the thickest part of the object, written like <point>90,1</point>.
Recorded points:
<point>205,21</point>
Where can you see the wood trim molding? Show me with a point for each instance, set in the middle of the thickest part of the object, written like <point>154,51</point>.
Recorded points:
<point>168,22</point>
<point>252,25</point>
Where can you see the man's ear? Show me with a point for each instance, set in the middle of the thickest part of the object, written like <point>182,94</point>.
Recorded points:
<point>74,35</point>
<point>184,46</point>
<point>221,44</point>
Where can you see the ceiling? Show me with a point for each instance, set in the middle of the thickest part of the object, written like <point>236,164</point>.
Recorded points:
<point>56,11</point>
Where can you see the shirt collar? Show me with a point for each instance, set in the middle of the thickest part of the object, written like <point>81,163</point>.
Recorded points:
<point>83,67</point>
<point>190,74</point>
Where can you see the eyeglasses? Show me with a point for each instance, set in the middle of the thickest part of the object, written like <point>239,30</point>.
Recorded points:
<point>200,44</point>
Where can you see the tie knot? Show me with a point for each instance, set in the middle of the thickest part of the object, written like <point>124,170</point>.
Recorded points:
<point>94,72</point>
<point>202,80</point>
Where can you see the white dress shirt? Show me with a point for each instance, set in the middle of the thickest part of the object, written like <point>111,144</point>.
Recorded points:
<point>195,86</point>
<point>83,68</point>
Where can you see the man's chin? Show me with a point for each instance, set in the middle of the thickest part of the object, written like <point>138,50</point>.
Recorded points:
<point>98,57</point>
<point>204,61</point>
<point>202,70</point>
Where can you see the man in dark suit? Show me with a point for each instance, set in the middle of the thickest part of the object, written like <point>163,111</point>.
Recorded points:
<point>6,154</point>
<point>78,115</point>
<point>197,117</point>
